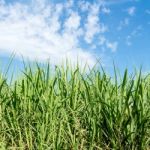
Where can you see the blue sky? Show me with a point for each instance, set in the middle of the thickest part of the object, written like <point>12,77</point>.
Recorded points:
<point>112,30</point>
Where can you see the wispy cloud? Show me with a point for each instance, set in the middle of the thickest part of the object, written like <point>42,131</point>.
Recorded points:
<point>102,40</point>
<point>135,33</point>
<point>131,10</point>
<point>93,25</point>
<point>123,23</point>
<point>112,45</point>
<point>84,5</point>
<point>106,10</point>
<point>72,22</point>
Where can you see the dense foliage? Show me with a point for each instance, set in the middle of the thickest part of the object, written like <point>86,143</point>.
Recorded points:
<point>66,108</point>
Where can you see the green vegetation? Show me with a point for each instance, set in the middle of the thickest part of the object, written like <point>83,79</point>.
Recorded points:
<point>66,108</point>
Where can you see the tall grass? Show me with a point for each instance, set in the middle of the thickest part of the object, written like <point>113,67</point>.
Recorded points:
<point>66,108</point>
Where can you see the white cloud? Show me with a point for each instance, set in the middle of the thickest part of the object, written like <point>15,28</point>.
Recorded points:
<point>131,10</point>
<point>44,30</point>
<point>128,40</point>
<point>69,4</point>
<point>102,40</point>
<point>135,33</point>
<point>123,23</point>
<point>106,10</point>
<point>73,22</point>
<point>93,25</point>
<point>112,45</point>
<point>36,31</point>
<point>84,5</point>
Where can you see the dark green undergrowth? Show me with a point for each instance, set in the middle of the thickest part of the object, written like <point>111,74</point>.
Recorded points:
<point>66,108</point>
